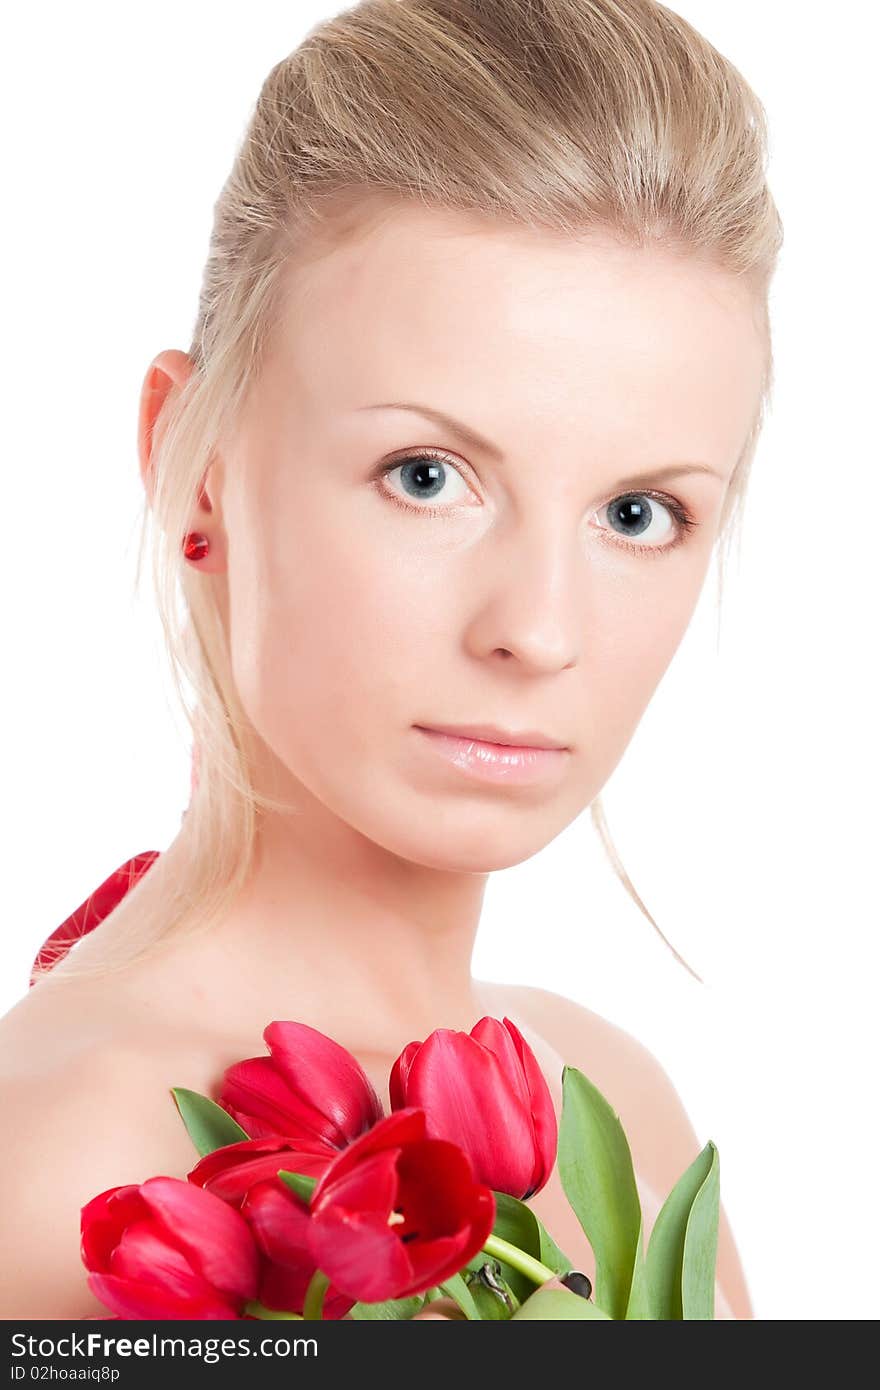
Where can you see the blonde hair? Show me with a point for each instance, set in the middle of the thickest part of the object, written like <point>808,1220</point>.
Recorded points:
<point>559,115</point>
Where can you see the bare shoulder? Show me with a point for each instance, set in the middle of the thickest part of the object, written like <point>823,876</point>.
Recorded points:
<point>661,1135</point>
<point>78,1121</point>
<point>624,1069</point>
<point>54,1026</point>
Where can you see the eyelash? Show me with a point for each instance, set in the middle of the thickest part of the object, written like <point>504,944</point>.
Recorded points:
<point>684,520</point>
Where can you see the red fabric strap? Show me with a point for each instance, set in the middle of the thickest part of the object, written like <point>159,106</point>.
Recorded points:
<point>96,907</point>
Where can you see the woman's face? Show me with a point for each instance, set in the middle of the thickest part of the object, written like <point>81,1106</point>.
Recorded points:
<point>534,581</point>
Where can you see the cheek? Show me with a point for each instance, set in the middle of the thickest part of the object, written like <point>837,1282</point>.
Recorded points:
<point>329,634</point>
<point>641,626</point>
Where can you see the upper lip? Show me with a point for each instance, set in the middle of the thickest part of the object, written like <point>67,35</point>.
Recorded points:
<point>489,733</point>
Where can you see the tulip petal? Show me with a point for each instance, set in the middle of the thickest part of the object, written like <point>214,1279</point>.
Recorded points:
<point>104,1218</point>
<point>498,1039</point>
<point>370,1186</point>
<point>464,1091</point>
<point>399,1074</point>
<point>264,1103</point>
<point>360,1253</point>
<point>452,1215</point>
<point>283,1287</point>
<point>214,1236</point>
<point>435,1188</point>
<point>230,1171</point>
<point>401,1127</point>
<point>325,1073</point>
<point>146,1301</point>
<point>279,1221</point>
<point>543,1111</point>
<point>435,1260</point>
<point>144,1256</point>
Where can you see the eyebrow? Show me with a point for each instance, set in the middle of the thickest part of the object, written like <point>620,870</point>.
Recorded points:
<point>478,441</point>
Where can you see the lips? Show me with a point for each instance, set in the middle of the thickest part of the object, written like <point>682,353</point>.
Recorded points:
<point>504,764</point>
<point>491,734</point>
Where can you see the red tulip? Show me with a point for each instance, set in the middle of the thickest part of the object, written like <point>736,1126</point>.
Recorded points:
<point>279,1221</point>
<point>309,1088</point>
<point>245,1174</point>
<point>166,1249</point>
<point>231,1171</point>
<point>394,1214</point>
<point>485,1091</point>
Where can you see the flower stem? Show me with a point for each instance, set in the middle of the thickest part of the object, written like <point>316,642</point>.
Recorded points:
<point>518,1259</point>
<point>259,1310</point>
<point>313,1304</point>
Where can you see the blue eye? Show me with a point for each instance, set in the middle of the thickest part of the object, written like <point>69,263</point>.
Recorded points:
<point>425,476</point>
<point>634,513</point>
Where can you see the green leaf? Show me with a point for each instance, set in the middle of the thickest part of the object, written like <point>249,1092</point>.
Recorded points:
<point>456,1289</point>
<point>639,1307</point>
<point>701,1246</point>
<point>300,1183</point>
<point>683,1244</point>
<point>554,1304</point>
<point>392,1310</point>
<point>596,1170</point>
<point>209,1126</point>
<point>550,1253</point>
<point>515,1221</point>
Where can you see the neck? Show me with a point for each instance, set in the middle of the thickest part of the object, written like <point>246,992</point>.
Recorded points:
<point>334,930</point>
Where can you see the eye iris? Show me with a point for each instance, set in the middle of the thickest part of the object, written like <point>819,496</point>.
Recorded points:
<point>425,472</point>
<point>635,514</point>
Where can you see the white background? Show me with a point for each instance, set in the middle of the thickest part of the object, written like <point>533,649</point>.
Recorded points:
<point>744,808</point>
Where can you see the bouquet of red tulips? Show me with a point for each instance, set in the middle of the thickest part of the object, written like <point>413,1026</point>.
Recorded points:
<point>309,1202</point>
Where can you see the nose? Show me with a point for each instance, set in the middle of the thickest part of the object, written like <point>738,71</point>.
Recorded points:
<point>530,604</point>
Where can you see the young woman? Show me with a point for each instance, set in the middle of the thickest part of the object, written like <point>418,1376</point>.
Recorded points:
<point>480,364</point>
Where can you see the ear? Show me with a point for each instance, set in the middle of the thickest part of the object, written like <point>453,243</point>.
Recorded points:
<point>168,372</point>
<point>166,375</point>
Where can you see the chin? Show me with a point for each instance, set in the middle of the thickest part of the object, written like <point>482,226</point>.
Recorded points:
<point>481,845</point>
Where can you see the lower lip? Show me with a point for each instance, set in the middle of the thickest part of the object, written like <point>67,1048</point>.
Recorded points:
<point>496,762</point>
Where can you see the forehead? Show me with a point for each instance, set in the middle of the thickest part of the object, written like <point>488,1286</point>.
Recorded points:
<point>420,301</point>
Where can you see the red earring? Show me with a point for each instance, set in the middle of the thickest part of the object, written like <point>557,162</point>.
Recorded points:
<point>195,547</point>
